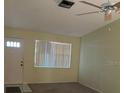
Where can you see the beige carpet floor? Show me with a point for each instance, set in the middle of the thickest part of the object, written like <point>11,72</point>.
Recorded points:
<point>60,88</point>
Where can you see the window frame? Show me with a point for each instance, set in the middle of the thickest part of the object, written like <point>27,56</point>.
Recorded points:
<point>53,67</point>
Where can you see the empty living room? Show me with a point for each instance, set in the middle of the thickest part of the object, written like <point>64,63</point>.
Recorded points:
<point>61,46</point>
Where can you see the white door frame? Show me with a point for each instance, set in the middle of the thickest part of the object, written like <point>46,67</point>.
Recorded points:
<point>13,56</point>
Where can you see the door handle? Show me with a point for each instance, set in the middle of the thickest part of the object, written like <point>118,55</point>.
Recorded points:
<point>21,65</point>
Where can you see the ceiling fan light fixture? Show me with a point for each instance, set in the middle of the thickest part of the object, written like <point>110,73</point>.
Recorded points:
<point>108,16</point>
<point>109,12</point>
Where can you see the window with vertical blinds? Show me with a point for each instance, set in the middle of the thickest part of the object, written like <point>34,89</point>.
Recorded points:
<point>52,54</point>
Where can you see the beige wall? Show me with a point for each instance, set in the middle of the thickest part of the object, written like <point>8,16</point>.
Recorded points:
<point>99,59</point>
<point>44,75</point>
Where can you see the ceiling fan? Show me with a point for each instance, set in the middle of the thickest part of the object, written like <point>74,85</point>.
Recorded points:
<point>105,8</point>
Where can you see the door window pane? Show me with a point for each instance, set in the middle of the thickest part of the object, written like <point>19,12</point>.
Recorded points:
<point>13,44</point>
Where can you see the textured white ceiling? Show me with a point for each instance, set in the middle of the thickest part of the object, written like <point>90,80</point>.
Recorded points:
<point>46,16</point>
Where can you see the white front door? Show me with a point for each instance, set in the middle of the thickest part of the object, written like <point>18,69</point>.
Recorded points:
<point>13,64</point>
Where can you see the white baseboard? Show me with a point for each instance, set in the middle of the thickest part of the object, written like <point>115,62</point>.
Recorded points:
<point>48,82</point>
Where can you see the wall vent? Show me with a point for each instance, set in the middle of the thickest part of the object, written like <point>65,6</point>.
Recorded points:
<point>66,4</point>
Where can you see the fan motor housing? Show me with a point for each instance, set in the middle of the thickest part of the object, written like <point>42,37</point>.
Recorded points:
<point>107,6</point>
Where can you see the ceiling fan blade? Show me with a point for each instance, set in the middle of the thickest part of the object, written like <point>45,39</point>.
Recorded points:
<point>117,10</point>
<point>117,5</point>
<point>91,4</point>
<point>89,13</point>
